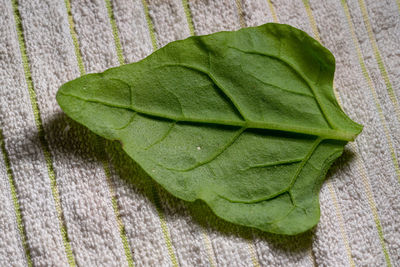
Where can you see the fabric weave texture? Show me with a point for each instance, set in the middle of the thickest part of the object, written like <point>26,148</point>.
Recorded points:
<point>71,198</point>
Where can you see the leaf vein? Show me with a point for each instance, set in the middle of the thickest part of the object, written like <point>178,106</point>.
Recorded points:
<point>298,73</point>
<point>213,156</point>
<point>272,164</point>
<point>278,87</point>
<point>128,123</point>
<point>212,78</point>
<point>163,137</point>
<point>289,187</point>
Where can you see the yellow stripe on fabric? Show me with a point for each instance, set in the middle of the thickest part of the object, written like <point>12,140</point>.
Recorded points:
<point>121,227</point>
<point>378,58</point>
<point>210,251</point>
<point>372,88</point>
<point>186,8</point>
<point>272,9</point>
<point>312,257</point>
<point>118,46</point>
<point>17,208</point>
<point>43,141</point>
<point>239,8</point>
<point>313,23</point>
<point>114,202</point>
<point>150,25</point>
<point>341,222</point>
<point>74,38</point>
<point>164,227</point>
<point>338,211</point>
<point>367,187</point>
<point>253,254</point>
<point>372,204</point>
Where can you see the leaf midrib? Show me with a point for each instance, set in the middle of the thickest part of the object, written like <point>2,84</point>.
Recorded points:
<point>323,133</point>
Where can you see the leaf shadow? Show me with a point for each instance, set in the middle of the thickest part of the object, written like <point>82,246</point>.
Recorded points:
<point>64,135</point>
<point>132,175</point>
<point>344,160</point>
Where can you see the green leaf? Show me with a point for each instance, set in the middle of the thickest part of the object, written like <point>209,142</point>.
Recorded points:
<point>246,121</point>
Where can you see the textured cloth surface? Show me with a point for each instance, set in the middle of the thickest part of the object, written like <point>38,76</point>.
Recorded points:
<point>68,197</point>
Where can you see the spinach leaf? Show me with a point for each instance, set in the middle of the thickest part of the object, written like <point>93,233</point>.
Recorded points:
<point>246,121</point>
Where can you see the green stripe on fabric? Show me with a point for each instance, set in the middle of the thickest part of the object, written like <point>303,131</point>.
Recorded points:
<point>378,58</point>
<point>121,226</point>
<point>188,14</point>
<point>74,38</point>
<point>14,195</point>
<point>114,202</point>
<point>240,12</point>
<point>118,46</point>
<point>164,227</point>
<point>150,25</point>
<point>372,204</point>
<point>367,188</point>
<point>372,88</point>
<point>43,142</point>
<point>341,222</point>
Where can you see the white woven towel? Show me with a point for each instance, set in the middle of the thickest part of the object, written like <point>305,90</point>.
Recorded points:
<point>68,197</point>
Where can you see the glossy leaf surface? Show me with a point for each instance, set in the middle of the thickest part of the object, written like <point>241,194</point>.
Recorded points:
<point>246,121</point>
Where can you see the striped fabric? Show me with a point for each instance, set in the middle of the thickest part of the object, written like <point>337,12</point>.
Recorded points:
<point>70,198</point>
